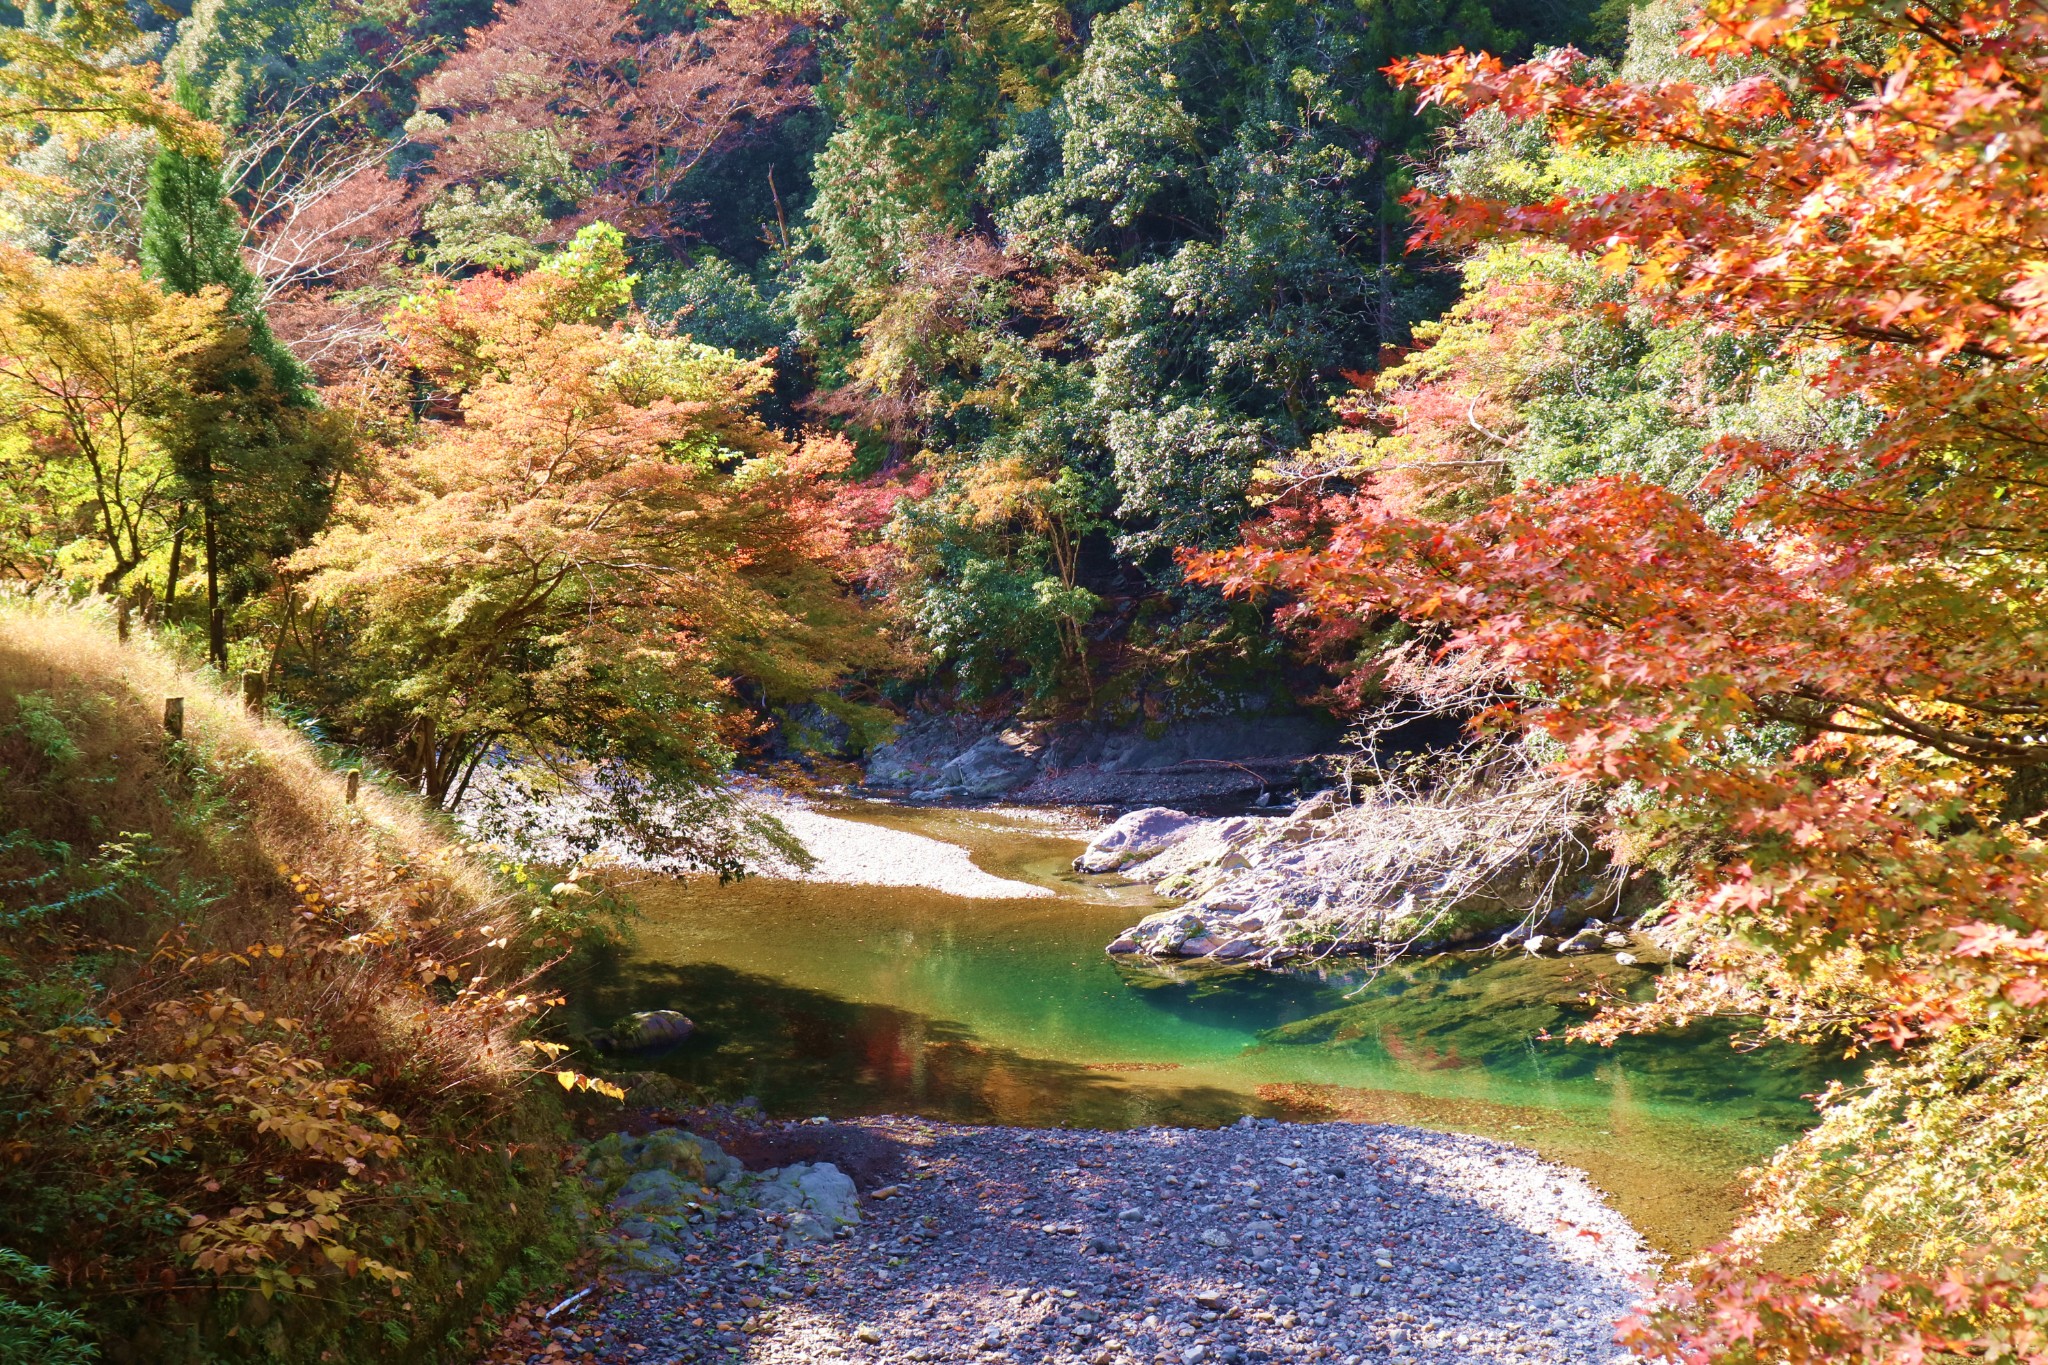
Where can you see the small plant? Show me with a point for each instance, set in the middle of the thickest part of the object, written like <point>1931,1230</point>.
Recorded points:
<point>38,1331</point>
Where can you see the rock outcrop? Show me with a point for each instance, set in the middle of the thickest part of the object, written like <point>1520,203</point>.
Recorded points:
<point>1208,760</point>
<point>1137,835</point>
<point>1389,877</point>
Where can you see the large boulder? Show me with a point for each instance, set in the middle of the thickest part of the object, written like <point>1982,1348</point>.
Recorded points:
<point>1163,932</point>
<point>817,1200</point>
<point>1204,847</point>
<point>617,1156</point>
<point>1135,836</point>
<point>655,1191</point>
<point>993,765</point>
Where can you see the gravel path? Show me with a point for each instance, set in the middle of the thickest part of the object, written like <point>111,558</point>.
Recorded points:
<point>1259,1242</point>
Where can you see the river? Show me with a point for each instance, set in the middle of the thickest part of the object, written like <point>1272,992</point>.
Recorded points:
<point>833,999</point>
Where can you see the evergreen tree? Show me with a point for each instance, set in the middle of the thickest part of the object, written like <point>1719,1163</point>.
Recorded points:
<point>192,238</point>
<point>257,456</point>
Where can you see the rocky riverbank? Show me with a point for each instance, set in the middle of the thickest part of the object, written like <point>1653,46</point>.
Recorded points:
<point>1390,875</point>
<point>1263,1241</point>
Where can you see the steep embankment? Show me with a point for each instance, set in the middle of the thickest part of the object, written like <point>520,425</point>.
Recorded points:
<point>262,1088</point>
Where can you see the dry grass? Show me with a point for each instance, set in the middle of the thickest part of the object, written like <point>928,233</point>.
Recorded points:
<point>221,986</point>
<point>398,871</point>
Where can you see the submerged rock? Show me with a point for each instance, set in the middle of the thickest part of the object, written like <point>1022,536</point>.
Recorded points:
<point>650,1028</point>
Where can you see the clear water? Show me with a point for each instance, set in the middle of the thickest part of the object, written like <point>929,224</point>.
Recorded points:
<point>843,1000</point>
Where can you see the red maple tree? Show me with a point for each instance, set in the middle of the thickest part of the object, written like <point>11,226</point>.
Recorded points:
<point>1876,190</point>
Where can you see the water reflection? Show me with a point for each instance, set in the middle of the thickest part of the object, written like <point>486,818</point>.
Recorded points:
<point>805,1051</point>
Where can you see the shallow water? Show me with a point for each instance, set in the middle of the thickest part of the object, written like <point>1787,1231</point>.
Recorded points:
<point>822,999</point>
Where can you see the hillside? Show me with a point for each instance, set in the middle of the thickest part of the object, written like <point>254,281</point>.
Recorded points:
<point>250,1034</point>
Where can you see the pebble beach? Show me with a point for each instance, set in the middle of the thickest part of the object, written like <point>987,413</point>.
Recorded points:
<point>1262,1241</point>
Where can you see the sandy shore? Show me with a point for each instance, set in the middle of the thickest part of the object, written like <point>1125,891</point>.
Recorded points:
<point>850,852</point>
<point>847,852</point>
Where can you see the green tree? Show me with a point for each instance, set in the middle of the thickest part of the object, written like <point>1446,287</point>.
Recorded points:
<point>919,92</point>
<point>192,238</point>
<point>1126,252</point>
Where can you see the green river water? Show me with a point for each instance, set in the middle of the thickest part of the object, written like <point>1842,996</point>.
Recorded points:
<point>843,1000</point>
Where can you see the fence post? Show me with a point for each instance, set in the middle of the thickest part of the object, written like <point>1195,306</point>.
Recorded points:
<point>252,690</point>
<point>174,717</point>
<point>355,780</point>
<point>121,611</point>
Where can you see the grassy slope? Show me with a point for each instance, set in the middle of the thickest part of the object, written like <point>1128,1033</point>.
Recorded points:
<point>216,981</point>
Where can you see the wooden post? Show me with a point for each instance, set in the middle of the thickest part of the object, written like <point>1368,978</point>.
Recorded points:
<point>174,717</point>
<point>121,610</point>
<point>252,690</point>
<point>355,780</point>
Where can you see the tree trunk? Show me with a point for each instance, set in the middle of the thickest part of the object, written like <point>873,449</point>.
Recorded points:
<point>468,772</point>
<point>291,611</point>
<point>177,556</point>
<point>423,757</point>
<point>216,626</point>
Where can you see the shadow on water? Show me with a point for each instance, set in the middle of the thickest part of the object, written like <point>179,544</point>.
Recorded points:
<point>1240,999</point>
<point>803,1051</point>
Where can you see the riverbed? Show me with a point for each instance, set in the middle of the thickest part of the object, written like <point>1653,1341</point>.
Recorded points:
<point>848,999</point>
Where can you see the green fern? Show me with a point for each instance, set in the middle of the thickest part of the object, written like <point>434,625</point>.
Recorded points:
<point>39,1331</point>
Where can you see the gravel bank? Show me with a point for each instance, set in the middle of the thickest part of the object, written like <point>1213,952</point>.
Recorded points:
<point>1259,1242</point>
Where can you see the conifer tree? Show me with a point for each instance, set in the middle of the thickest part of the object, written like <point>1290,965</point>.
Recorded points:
<point>192,238</point>
<point>253,447</point>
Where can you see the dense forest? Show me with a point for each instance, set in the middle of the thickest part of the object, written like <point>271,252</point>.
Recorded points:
<point>584,394</point>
